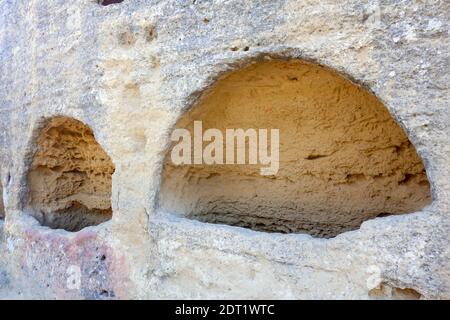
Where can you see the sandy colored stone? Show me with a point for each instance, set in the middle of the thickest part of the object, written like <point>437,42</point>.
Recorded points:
<point>343,159</point>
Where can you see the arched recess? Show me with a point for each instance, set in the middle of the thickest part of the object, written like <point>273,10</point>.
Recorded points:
<point>2,206</point>
<point>343,159</point>
<point>69,181</point>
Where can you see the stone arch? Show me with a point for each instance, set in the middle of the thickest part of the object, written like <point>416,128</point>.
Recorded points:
<point>69,181</point>
<point>2,205</point>
<point>343,158</point>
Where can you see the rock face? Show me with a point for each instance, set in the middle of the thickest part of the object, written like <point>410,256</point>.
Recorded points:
<point>93,208</point>
<point>2,208</point>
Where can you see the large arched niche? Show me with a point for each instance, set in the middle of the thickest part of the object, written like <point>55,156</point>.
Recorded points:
<point>69,180</point>
<point>2,206</point>
<point>343,158</point>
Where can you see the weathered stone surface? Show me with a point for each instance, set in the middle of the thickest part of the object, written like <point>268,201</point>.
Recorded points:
<point>342,158</point>
<point>69,179</point>
<point>130,70</point>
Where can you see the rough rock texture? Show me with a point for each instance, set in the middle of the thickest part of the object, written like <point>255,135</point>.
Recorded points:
<point>69,180</point>
<point>343,159</point>
<point>2,208</point>
<point>130,71</point>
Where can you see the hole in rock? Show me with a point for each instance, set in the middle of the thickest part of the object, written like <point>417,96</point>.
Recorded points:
<point>108,2</point>
<point>387,292</point>
<point>70,177</point>
<point>342,158</point>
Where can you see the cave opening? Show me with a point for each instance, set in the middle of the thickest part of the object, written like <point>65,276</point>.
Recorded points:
<point>343,159</point>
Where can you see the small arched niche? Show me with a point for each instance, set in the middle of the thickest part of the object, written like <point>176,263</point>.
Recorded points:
<point>70,177</point>
<point>343,159</point>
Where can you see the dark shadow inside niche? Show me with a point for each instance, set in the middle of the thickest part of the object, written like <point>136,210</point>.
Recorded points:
<point>108,2</point>
<point>343,159</point>
<point>69,179</point>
